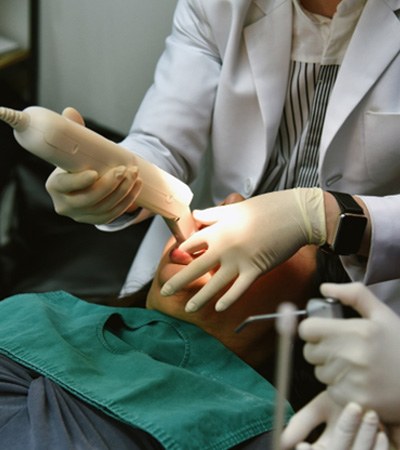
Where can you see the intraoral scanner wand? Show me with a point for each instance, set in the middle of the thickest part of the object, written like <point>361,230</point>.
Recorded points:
<point>74,148</point>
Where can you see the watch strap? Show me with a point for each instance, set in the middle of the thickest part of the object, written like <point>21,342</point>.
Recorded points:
<point>350,227</point>
<point>346,203</point>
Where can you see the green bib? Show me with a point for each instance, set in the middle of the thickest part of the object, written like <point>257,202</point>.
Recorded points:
<point>142,367</point>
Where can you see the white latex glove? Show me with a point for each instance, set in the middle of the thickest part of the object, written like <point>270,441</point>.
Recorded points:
<point>358,358</point>
<point>346,429</point>
<point>86,197</point>
<point>247,239</point>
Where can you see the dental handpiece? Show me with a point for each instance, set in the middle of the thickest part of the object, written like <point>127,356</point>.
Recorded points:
<point>74,148</point>
<point>316,307</point>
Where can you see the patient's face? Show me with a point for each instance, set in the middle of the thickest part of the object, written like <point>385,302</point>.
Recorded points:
<point>292,281</point>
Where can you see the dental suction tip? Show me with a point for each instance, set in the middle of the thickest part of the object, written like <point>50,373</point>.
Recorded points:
<point>16,119</point>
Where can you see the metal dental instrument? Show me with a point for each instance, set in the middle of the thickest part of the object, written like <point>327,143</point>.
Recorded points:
<point>286,325</point>
<point>316,307</point>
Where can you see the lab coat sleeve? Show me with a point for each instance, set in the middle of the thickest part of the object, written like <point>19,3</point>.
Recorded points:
<point>384,259</point>
<point>172,126</point>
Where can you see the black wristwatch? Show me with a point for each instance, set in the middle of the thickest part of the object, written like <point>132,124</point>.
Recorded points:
<point>350,226</point>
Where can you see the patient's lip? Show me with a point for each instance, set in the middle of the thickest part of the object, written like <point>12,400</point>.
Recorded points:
<point>177,256</point>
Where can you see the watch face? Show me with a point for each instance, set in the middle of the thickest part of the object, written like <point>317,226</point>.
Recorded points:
<point>349,234</point>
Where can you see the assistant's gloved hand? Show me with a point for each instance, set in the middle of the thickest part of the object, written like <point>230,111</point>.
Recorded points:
<point>247,239</point>
<point>358,358</point>
<point>86,197</point>
<point>346,429</point>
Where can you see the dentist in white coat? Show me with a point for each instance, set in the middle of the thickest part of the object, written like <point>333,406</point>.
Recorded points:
<point>262,96</point>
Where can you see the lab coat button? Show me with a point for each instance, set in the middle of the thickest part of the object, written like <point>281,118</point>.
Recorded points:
<point>248,186</point>
<point>333,180</point>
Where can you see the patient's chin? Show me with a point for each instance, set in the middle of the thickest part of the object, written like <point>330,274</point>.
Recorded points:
<point>174,305</point>
<point>169,270</point>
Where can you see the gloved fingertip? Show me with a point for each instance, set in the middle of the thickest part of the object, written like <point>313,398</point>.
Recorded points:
<point>353,407</point>
<point>133,169</point>
<point>371,417</point>
<point>191,307</point>
<point>120,172</point>
<point>286,442</point>
<point>221,306</point>
<point>167,290</point>
<point>325,288</point>
<point>382,441</point>
<point>303,446</point>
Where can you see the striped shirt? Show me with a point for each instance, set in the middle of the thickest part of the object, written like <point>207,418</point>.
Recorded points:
<point>319,45</point>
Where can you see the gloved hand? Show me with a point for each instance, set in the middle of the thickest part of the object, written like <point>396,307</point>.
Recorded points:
<point>346,429</point>
<point>247,239</point>
<point>358,358</point>
<point>86,197</point>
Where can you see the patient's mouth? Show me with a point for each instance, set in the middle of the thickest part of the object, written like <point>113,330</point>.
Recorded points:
<point>177,256</point>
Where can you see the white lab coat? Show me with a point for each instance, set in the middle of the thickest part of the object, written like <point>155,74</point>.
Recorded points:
<point>223,76</point>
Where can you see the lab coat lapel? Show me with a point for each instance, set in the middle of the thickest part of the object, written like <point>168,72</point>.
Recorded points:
<point>364,62</point>
<point>268,44</point>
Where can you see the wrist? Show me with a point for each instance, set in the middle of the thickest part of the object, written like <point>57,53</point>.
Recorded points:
<point>311,203</point>
<point>347,224</point>
<point>332,212</point>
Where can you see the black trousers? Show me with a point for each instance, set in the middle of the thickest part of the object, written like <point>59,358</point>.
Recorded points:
<point>37,414</point>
